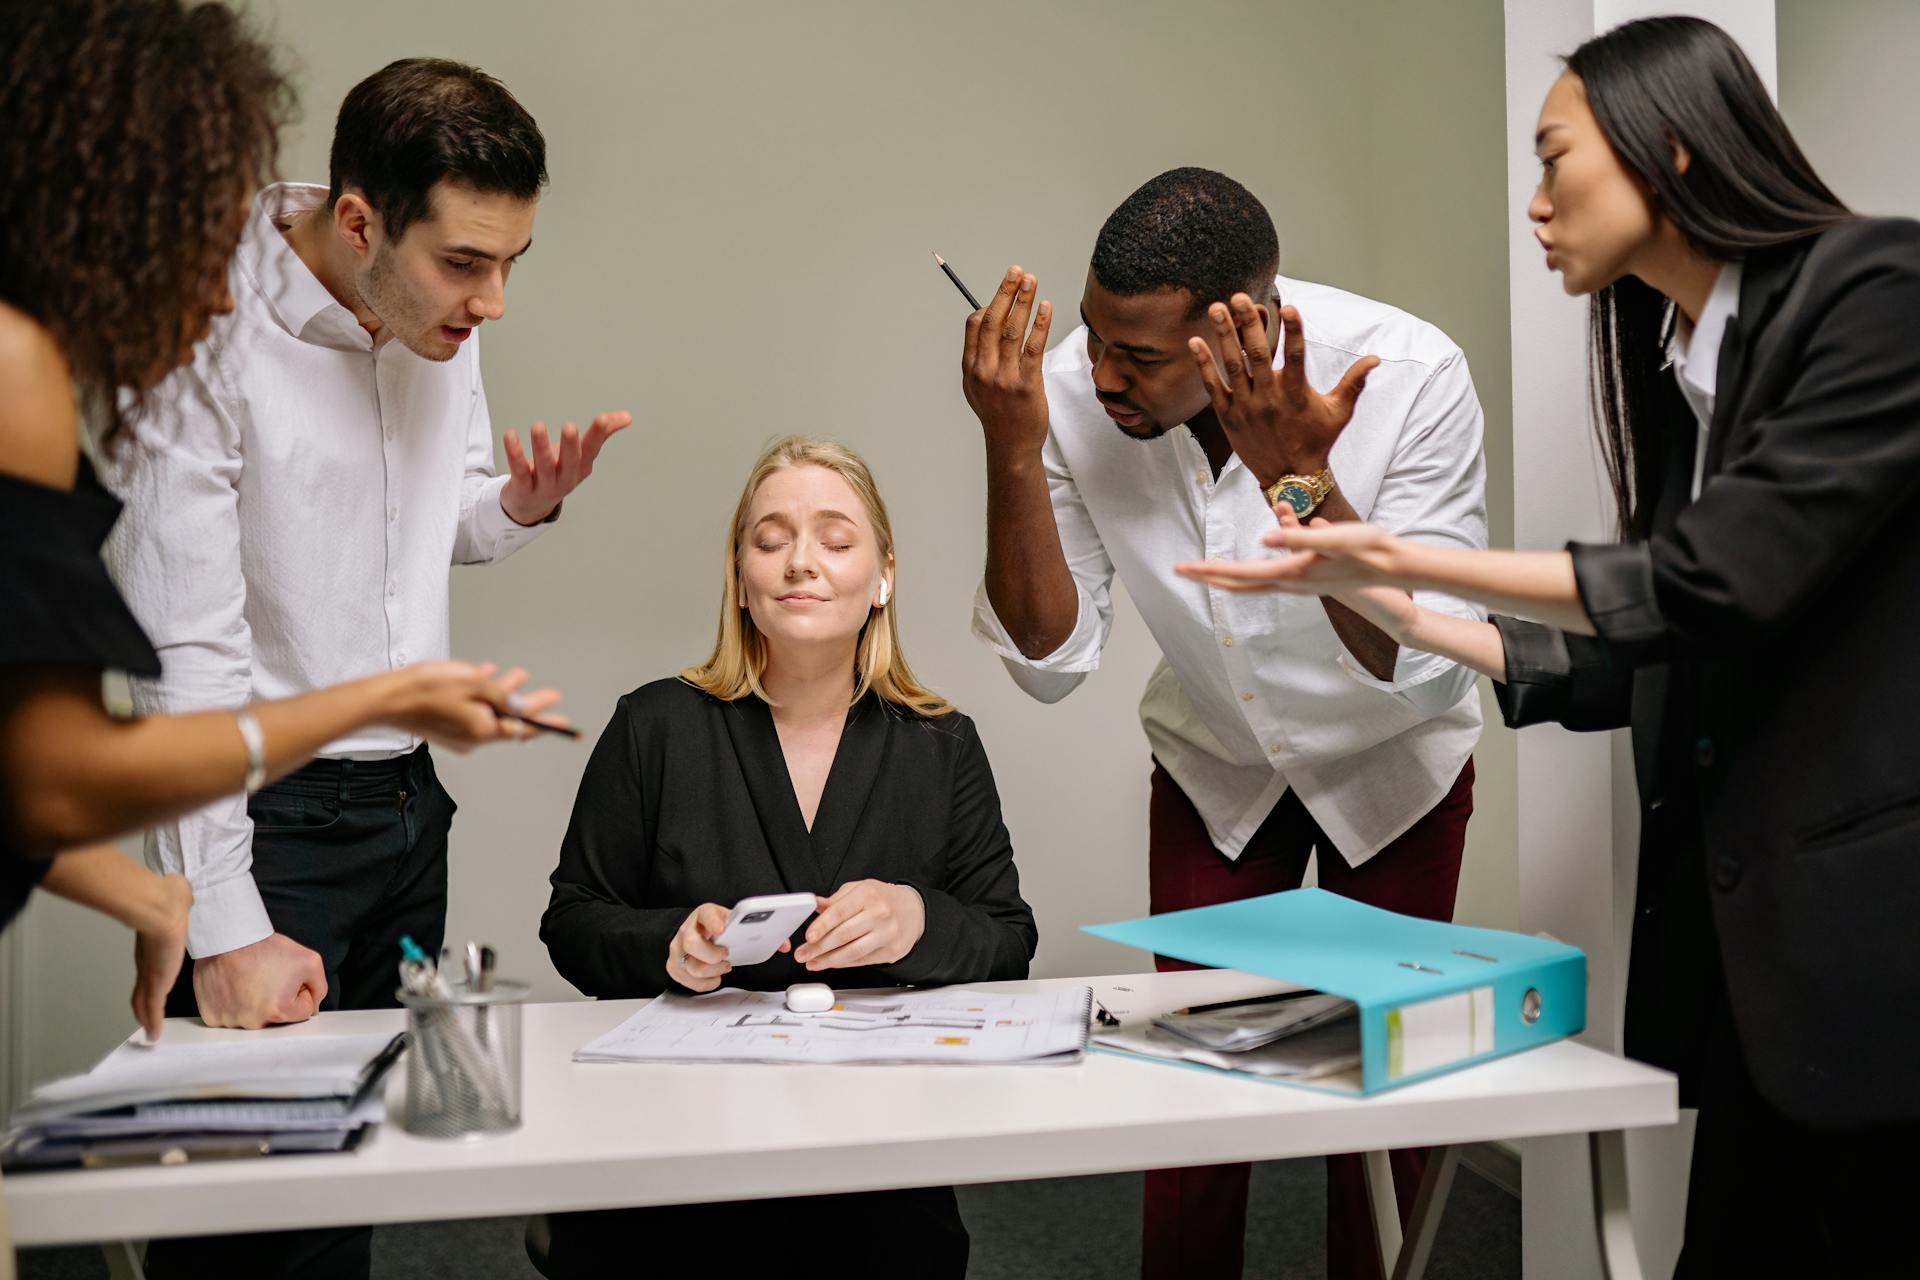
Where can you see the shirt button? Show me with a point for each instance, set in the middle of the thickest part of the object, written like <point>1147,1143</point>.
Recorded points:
<point>393,515</point>
<point>1703,753</point>
<point>1273,748</point>
<point>1228,642</point>
<point>1726,871</point>
<point>1246,697</point>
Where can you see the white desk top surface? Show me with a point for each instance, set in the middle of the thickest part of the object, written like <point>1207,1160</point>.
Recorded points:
<point>605,1135</point>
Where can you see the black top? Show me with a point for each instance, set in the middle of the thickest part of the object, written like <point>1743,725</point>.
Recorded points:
<point>1761,644</point>
<point>687,800</point>
<point>59,609</point>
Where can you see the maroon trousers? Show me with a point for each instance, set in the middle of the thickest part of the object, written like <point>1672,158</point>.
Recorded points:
<point>1196,1219</point>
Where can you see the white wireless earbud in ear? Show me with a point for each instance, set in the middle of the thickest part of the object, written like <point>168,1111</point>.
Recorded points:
<point>886,592</point>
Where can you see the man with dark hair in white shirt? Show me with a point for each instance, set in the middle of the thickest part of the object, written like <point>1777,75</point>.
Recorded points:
<point>1165,430</point>
<point>329,455</point>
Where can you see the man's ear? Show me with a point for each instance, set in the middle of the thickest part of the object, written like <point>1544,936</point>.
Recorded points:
<point>355,221</point>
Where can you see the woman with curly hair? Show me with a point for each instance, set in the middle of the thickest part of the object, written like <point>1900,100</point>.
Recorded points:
<point>136,132</point>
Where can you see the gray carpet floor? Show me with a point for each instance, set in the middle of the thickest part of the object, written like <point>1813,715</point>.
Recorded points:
<point>1058,1228</point>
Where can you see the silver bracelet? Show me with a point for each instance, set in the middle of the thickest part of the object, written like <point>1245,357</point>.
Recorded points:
<point>256,750</point>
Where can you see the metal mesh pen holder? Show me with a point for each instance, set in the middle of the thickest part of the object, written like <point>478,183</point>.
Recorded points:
<point>463,1061</point>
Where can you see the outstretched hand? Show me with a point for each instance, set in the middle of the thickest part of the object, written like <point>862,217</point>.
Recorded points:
<point>1328,560</point>
<point>544,474</point>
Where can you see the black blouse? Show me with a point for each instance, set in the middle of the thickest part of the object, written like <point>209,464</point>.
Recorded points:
<point>687,800</point>
<point>57,608</point>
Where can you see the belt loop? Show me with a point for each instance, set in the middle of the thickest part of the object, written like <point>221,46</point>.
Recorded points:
<point>346,777</point>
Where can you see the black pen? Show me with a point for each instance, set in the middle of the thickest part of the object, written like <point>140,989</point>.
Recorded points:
<point>545,726</point>
<point>964,291</point>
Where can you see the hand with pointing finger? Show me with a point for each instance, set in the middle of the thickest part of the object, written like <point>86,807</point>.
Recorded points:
<point>544,473</point>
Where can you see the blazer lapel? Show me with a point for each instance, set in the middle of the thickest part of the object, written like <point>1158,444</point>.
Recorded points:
<point>1763,282</point>
<point>855,766</point>
<point>756,745</point>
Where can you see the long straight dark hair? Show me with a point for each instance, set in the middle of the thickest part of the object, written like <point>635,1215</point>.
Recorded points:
<point>1650,84</point>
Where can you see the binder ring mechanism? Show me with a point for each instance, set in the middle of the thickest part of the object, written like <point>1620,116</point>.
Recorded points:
<point>1530,1006</point>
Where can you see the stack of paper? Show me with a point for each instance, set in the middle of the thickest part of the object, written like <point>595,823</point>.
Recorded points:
<point>172,1103</point>
<point>1309,1036</point>
<point>914,1026</point>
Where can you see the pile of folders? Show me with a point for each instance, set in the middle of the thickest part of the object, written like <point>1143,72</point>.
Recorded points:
<point>209,1099</point>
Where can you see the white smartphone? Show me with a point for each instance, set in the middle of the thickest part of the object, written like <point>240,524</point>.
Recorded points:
<point>757,926</point>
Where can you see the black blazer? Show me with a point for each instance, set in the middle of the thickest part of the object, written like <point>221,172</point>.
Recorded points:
<point>687,800</point>
<point>1762,643</point>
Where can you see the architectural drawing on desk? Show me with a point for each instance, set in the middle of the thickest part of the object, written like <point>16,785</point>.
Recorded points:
<point>919,1026</point>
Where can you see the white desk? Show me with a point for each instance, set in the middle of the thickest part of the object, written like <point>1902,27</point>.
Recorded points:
<point>605,1135</point>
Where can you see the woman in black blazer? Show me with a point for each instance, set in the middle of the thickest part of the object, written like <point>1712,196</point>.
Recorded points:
<point>802,757</point>
<point>1759,387</point>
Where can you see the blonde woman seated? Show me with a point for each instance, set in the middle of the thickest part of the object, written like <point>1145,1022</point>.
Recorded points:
<point>802,756</point>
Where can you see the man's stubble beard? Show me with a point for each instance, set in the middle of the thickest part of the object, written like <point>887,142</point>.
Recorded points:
<point>385,294</point>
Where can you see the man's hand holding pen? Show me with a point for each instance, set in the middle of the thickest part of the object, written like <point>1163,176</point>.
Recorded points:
<point>1000,368</point>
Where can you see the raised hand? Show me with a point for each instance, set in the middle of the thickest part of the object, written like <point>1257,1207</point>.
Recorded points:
<point>544,474</point>
<point>1274,419</point>
<point>1000,367</point>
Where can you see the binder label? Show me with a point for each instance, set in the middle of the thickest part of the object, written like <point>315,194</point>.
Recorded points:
<point>1437,1033</point>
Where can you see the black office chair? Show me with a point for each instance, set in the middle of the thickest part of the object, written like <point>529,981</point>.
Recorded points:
<point>539,1239</point>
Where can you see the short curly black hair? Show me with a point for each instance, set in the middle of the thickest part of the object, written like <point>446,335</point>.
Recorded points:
<point>418,121</point>
<point>135,132</point>
<point>1190,229</point>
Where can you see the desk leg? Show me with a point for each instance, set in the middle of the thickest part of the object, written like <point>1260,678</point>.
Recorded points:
<point>6,1240</point>
<point>1612,1216</point>
<point>1423,1226</point>
<point>125,1260</point>
<point>1386,1209</point>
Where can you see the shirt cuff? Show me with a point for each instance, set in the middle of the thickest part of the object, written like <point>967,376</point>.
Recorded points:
<point>1615,582</point>
<point>495,530</point>
<point>225,917</point>
<point>1077,653</point>
<point>1535,653</point>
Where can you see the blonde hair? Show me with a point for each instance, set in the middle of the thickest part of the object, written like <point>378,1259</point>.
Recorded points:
<point>740,650</point>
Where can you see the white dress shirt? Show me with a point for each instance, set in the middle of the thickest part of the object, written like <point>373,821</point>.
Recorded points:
<point>1694,353</point>
<point>1255,694</point>
<point>290,525</point>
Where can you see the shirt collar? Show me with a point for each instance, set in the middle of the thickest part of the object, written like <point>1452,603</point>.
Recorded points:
<point>1694,350</point>
<point>269,263</point>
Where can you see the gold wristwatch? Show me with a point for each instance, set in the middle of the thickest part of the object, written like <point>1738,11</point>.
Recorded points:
<point>1303,493</point>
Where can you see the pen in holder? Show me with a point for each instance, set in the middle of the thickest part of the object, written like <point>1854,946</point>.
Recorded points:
<point>463,1075</point>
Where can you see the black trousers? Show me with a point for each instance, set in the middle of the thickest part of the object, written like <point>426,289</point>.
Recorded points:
<point>349,856</point>
<point>912,1234</point>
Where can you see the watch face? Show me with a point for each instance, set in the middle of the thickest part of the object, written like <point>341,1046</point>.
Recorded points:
<point>1297,497</point>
